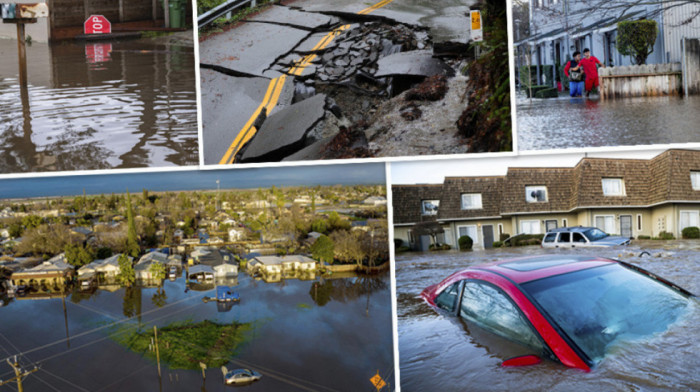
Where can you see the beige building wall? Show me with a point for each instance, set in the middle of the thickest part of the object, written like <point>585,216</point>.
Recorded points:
<point>452,230</point>
<point>540,221</point>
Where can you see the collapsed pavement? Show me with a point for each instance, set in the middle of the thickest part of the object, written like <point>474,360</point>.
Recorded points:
<point>345,74</point>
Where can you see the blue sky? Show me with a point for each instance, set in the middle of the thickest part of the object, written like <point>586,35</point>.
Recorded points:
<point>343,174</point>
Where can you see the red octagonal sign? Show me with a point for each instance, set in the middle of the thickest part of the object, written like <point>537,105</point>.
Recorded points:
<point>97,24</point>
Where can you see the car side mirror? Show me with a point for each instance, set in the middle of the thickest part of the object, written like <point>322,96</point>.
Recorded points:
<point>524,360</point>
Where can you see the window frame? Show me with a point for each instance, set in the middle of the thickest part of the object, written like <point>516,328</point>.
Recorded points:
<point>695,184</point>
<point>623,191</point>
<point>531,188</point>
<point>595,217</point>
<point>476,230</point>
<point>480,204</point>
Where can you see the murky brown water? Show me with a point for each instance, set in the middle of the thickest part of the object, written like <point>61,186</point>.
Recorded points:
<point>98,105</point>
<point>439,353</point>
<point>577,122</point>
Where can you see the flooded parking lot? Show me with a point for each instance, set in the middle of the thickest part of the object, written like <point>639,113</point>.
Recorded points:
<point>98,105</point>
<point>565,122</point>
<point>441,353</point>
<point>322,334</point>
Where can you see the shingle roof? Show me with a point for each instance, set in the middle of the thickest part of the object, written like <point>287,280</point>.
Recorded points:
<point>559,183</point>
<point>490,188</point>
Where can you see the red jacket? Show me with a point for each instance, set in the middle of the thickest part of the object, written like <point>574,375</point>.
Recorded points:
<point>590,66</point>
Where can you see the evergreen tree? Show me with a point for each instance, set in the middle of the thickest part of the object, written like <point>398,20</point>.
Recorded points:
<point>132,245</point>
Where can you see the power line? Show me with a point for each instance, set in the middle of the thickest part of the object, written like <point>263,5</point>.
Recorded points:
<point>66,381</point>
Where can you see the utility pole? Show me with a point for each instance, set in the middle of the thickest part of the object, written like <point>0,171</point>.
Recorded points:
<point>155,334</point>
<point>19,374</point>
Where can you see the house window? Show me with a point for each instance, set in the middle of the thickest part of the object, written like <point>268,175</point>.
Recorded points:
<point>470,231</point>
<point>639,222</point>
<point>430,207</point>
<point>500,229</point>
<point>695,180</point>
<point>613,187</point>
<point>689,219</point>
<point>564,222</point>
<point>535,194</point>
<point>530,227</point>
<point>550,225</point>
<point>605,223</point>
<point>471,201</point>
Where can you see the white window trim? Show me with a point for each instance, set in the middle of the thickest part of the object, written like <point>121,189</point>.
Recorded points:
<point>695,173</point>
<point>479,207</point>
<point>546,193</point>
<point>696,212</point>
<point>530,221</point>
<point>595,217</point>
<point>476,230</point>
<point>623,191</point>
<point>422,207</point>
<point>640,223</point>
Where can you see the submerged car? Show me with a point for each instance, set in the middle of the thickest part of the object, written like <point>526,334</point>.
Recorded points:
<point>570,309</point>
<point>571,237</point>
<point>240,376</point>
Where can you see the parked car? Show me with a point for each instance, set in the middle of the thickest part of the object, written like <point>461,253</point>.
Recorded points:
<point>570,309</point>
<point>571,237</point>
<point>240,376</point>
<point>172,273</point>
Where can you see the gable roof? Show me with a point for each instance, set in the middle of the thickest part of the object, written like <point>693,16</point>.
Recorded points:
<point>407,201</point>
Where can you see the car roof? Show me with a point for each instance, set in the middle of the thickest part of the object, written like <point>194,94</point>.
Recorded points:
<point>578,229</point>
<point>525,269</point>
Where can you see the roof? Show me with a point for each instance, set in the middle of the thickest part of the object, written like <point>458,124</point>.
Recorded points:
<point>153,256</point>
<point>274,260</point>
<point>664,178</point>
<point>200,268</point>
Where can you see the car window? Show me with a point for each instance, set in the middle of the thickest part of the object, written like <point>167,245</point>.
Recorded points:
<point>595,234</point>
<point>550,237</point>
<point>448,298</point>
<point>491,309</point>
<point>578,237</point>
<point>565,237</point>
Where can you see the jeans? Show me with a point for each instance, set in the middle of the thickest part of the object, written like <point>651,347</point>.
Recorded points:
<point>576,88</point>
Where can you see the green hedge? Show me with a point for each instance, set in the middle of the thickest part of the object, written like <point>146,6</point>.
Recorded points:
<point>665,235</point>
<point>643,237</point>
<point>465,242</point>
<point>547,93</point>
<point>691,232</point>
<point>439,247</point>
<point>497,244</point>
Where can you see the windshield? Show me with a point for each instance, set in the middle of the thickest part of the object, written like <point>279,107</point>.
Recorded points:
<point>600,307</point>
<point>595,234</point>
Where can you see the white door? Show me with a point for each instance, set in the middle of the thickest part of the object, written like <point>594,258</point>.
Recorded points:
<point>605,223</point>
<point>530,227</point>
<point>689,219</point>
<point>470,231</point>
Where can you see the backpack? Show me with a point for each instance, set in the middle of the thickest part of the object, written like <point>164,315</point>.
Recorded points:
<point>576,76</point>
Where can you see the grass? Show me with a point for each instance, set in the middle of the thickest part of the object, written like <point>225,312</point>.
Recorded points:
<point>219,24</point>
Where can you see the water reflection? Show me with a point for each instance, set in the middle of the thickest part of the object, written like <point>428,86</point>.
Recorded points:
<point>440,352</point>
<point>578,122</point>
<point>86,107</point>
<point>277,328</point>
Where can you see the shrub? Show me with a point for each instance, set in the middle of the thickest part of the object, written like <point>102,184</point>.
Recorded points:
<point>643,237</point>
<point>465,242</point>
<point>401,249</point>
<point>497,244</point>
<point>636,38</point>
<point>664,235</point>
<point>547,93</point>
<point>439,247</point>
<point>527,240</point>
<point>691,232</point>
<point>398,243</point>
<point>504,237</point>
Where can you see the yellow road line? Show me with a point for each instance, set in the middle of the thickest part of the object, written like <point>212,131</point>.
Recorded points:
<point>274,88</point>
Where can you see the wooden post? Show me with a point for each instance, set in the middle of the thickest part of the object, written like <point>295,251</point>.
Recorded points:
<point>155,334</point>
<point>22,52</point>
<point>166,12</point>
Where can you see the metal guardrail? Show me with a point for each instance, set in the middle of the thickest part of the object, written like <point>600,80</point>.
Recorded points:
<point>221,10</point>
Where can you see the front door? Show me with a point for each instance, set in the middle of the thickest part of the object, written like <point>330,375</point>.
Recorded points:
<point>487,231</point>
<point>550,225</point>
<point>626,226</point>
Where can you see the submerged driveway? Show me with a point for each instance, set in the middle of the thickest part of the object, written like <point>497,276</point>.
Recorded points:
<point>267,63</point>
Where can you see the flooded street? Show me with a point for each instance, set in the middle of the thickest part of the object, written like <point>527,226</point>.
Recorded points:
<point>321,334</point>
<point>565,122</point>
<point>98,105</point>
<point>441,353</point>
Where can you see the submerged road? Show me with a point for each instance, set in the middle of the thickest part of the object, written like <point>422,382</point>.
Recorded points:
<point>248,73</point>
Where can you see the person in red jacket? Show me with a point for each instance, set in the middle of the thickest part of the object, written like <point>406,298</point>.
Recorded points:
<point>590,68</point>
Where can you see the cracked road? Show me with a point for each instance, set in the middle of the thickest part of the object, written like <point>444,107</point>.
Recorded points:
<point>256,77</point>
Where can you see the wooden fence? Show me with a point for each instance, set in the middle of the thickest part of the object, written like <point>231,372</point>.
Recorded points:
<point>641,81</point>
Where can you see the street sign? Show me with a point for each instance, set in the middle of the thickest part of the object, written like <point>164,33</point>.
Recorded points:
<point>97,24</point>
<point>477,32</point>
<point>377,381</point>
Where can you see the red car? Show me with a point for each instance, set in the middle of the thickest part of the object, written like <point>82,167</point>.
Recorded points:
<point>570,309</point>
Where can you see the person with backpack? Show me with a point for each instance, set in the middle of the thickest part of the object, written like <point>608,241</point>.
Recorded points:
<point>577,77</point>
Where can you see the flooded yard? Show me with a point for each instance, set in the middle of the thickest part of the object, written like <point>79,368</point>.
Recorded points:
<point>320,334</point>
<point>98,105</point>
<point>441,353</point>
<point>566,122</point>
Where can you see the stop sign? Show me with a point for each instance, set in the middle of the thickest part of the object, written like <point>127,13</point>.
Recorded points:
<point>97,24</point>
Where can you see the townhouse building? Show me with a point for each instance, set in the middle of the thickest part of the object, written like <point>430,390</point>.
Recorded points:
<point>628,197</point>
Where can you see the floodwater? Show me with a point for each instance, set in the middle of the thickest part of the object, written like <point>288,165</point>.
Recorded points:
<point>566,122</point>
<point>440,353</point>
<point>98,105</point>
<point>321,334</point>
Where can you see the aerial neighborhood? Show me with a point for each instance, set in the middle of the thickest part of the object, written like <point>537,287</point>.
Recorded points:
<point>52,246</point>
